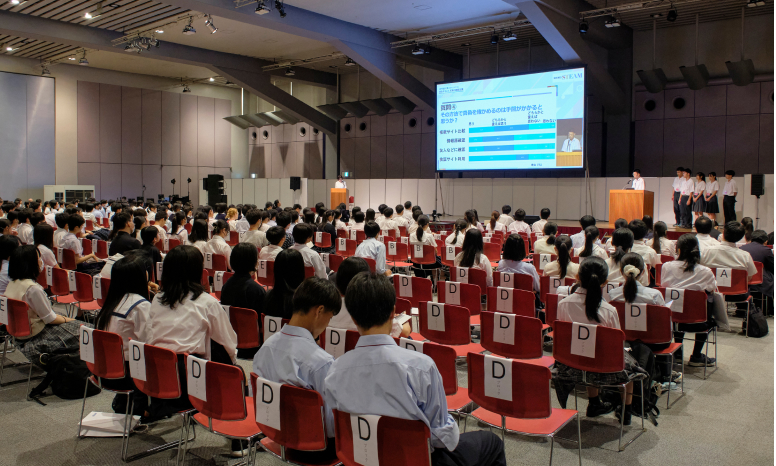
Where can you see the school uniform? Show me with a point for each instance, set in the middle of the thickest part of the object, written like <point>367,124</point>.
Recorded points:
<point>270,252</point>
<point>615,274</point>
<point>553,269</point>
<point>254,237</point>
<point>122,243</point>
<point>182,235</point>
<point>728,255</point>
<point>499,227</point>
<point>427,238</point>
<point>457,241</point>
<point>688,187</point>
<point>4,278</point>
<point>201,245</point>
<point>128,318</point>
<point>651,258</point>
<point>578,239</point>
<point>705,241</point>
<point>729,200</point>
<point>357,226</point>
<point>25,233</point>
<point>643,295</point>
<point>242,225</point>
<point>482,263</point>
<point>50,219</point>
<point>217,245</point>
<point>712,204</point>
<point>519,226</point>
<point>505,219</point>
<point>311,259</point>
<point>46,256</point>
<point>699,205</point>
<point>89,266</point>
<point>401,221</point>
<point>673,275</point>
<point>638,184</point>
<point>510,266</point>
<point>538,226</point>
<point>677,187</point>
<point>541,247</point>
<point>598,251</point>
<point>667,246</point>
<point>161,232</point>
<point>378,365</point>
<point>373,249</point>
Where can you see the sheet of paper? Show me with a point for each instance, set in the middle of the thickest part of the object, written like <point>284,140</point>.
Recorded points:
<point>412,345</point>
<point>498,377</point>
<point>267,402</point>
<point>452,293</point>
<point>462,275</point>
<point>86,344</point>
<point>196,371</point>
<point>137,365</point>
<point>724,277</point>
<point>504,328</point>
<point>583,339</point>
<point>335,342</point>
<point>636,317</point>
<point>364,429</point>
<point>504,299</point>
<point>676,298</point>
<point>435,316</point>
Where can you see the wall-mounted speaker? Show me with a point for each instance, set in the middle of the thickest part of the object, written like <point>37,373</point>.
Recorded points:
<point>758,185</point>
<point>296,183</point>
<point>742,72</point>
<point>654,80</point>
<point>697,76</point>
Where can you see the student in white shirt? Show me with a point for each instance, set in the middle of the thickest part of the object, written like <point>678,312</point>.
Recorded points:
<point>712,205</point>
<point>25,227</point>
<point>423,236</point>
<point>591,247</point>
<point>698,195</point>
<point>512,260</point>
<point>639,229</point>
<point>660,243</point>
<point>399,218</point>
<point>685,201</point>
<point>504,218</point>
<point>51,213</point>
<point>265,218</point>
<point>676,194</point>
<point>457,236</point>
<point>703,227</point>
<point>729,192</point>
<point>578,239</point>
<point>519,225</point>
<point>86,264</point>
<point>276,236</point>
<point>179,228</point>
<point>471,255</point>
<point>340,184</point>
<point>7,246</point>
<point>303,234</point>
<point>493,225</point>
<point>546,244</point>
<point>638,181</point>
<point>622,240</point>
<point>43,235</point>
<point>217,244</point>
<point>727,254</point>
<point>562,266</point>
<point>358,221</point>
<point>414,225</point>
<point>340,225</point>
<point>199,236</point>
<point>471,221</point>
<point>373,249</point>
<point>160,222</point>
<point>632,267</point>
<point>389,226</point>
<point>538,226</point>
<point>231,217</point>
<point>253,235</point>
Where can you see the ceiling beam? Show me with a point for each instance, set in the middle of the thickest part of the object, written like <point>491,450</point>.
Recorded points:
<point>608,38</point>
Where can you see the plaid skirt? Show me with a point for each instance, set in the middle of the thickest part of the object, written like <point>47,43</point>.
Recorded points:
<point>62,338</point>
<point>564,373</point>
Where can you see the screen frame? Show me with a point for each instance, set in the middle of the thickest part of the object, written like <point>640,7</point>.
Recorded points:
<point>571,172</point>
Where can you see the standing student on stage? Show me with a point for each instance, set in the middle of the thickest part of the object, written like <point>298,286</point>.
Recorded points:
<point>373,249</point>
<point>660,243</point>
<point>685,201</point>
<point>676,194</point>
<point>591,247</point>
<point>504,217</point>
<point>217,244</point>
<point>638,181</point>
<point>471,255</point>
<point>562,266</point>
<point>578,239</point>
<point>357,380</point>
<point>538,226</point>
<point>546,244</point>
<point>303,234</point>
<point>512,261</point>
<point>519,225</point>
<point>457,236</point>
<point>493,225</point>
<point>712,205</point>
<point>699,195</point>
<point>729,192</point>
<point>340,184</point>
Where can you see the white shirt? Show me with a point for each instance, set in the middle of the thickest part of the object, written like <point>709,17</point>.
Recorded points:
<point>25,233</point>
<point>161,231</point>
<point>541,246</point>
<point>578,239</point>
<point>499,227</point>
<point>598,251</point>
<point>706,241</point>
<point>311,259</point>
<point>129,318</point>
<point>615,274</point>
<point>651,258</point>
<point>712,187</point>
<point>47,256</point>
<point>254,237</point>
<point>58,235</point>
<point>728,255</point>
<point>390,227</point>
<point>553,269</point>
<point>343,321</point>
<point>50,219</point>
<point>572,309</point>
<point>701,278</point>
<point>401,221</point>
<point>217,245</point>
<point>667,247</point>
<point>538,226</point>
<point>638,184</point>
<point>458,242</point>
<point>643,295</point>
<point>340,184</point>
<point>189,326</point>
<point>700,187</point>
<point>505,219</point>
<point>357,226</point>
<point>270,252</point>
<point>483,264</point>
<point>730,189</point>
<point>571,145</point>
<point>677,184</point>
<point>242,225</point>
<point>181,235</point>
<point>426,238</point>
<point>519,226</point>
<point>688,186</point>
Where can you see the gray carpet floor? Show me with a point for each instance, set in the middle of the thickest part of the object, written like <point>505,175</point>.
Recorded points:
<point>726,419</point>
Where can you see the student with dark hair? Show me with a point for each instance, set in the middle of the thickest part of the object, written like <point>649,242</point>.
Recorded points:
<point>389,225</point>
<point>729,192</point>
<point>408,210</point>
<point>326,225</point>
<point>289,274</point>
<point>578,239</point>
<point>292,355</point>
<point>353,213</point>
<point>727,253</point>
<point>340,222</point>
<point>538,226</point>
<point>457,236</point>
<point>50,332</point>
<point>698,195</point>
<point>358,221</point>
<point>562,266</point>
<point>685,201</point>
<point>710,196</point>
<point>423,236</point>
<point>760,253</point>
<point>85,264</point>
<point>399,218</point>
<point>591,247</point>
<point>217,244</point>
<point>504,218</point>
<point>373,249</point>
<point>632,267</point>
<point>140,223</point>
<point>370,216</point>
<point>416,214</point>
<point>252,235</point>
<point>25,227</point>
<point>546,244</point>
<point>471,255</point>
<point>348,269</point>
<point>650,225</point>
<point>622,240</point>
<point>377,365</point>
<point>276,236</point>
<point>284,221</point>
<point>660,243</point>
<point>264,221</point>
<point>241,289</point>
<point>639,229</point>
<point>512,261</point>
<point>160,222</point>
<point>150,237</point>
<point>121,237</point>
<point>586,305</point>
<point>7,245</point>
<point>199,235</point>
<point>178,231</point>
<point>519,225</point>
<point>703,227</point>
<point>493,225</point>
<point>43,235</point>
<point>303,234</point>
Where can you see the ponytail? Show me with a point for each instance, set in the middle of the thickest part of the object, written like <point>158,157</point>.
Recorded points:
<point>688,252</point>
<point>659,231</point>
<point>593,273</point>
<point>591,233</point>
<point>493,218</point>
<point>631,267</point>
<point>460,225</point>
<point>563,245</point>
<point>549,230</point>
<point>622,240</point>
<point>422,222</point>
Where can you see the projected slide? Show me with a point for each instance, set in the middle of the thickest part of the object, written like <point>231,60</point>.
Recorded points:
<point>530,121</point>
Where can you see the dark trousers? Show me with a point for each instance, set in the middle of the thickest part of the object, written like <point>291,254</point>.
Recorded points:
<point>729,208</point>
<point>677,210</point>
<point>480,448</point>
<point>686,212</point>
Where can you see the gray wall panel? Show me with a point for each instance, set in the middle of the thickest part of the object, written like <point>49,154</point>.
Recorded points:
<point>711,101</point>
<point>259,161</point>
<point>709,146</point>
<point>362,158</point>
<point>394,123</point>
<point>276,161</point>
<point>677,145</point>
<point>170,172</point>
<point>193,188</point>
<point>347,155</point>
<point>152,127</point>
<point>110,123</point>
<point>394,157</point>
<point>110,181</point>
<point>131,131</point>
<point>378,125</point>
<point>171,128</point>
<point>742,143</point>
<point>13,135</point>
<point>412,156</point>
<point>648,155</point>
<point>674,98</point>
<point>427,158</point>
<point>152,179</point>
<point>205,132</point>
<point>132,180</point>
<point>89,173</point>
<point>766,143</point>
<point>378,157</point>
<point>88,122</point>
<point>363,127</point>
<point>642,113</point>
<point>189,131</point>
<point>743,100</point>
<point>41,132</point>
<point>766,97</point>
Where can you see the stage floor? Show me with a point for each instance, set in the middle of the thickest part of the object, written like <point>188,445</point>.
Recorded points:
<point>572,224</point>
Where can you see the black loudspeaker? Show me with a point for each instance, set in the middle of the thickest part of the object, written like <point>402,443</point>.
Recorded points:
<point>215,189</point>
<point>296,183</point>
<point>758,185</point>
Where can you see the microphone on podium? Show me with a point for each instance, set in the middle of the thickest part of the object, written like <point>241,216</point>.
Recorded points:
<point>630,181</point>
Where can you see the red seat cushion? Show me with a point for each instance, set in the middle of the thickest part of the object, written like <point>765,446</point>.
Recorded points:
<point>459,400</point>
<point>672,348</point>
<point>462,350</point>
<point>293,457</point>
<point>558,419</point>
<point>417,337</point>
<point>474,320</point>
<point>241,429</point>
<point>90,306</point>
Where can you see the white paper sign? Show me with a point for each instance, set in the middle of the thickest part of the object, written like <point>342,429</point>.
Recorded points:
<point>342,244</point>
<point>94,246</point>
<point>49,275</point>
<point>507,279</point>
<point>353,235</point>
<point>335,342</point>
<point>504,328</point>
<point>724,277</point>
<point>486,239</point>
<point>4,311</point>
<point>435,315</point>
<point>676,297</point>
<point>544,259</point>
<point>71,280</point>
<point>392,248</point>
<point>452,293</point>
<point>504,299</point>
<point>262,269</point>
<point>166,244</point>
<point>405,286</point>
<point>318,236</point>
<point>271,326</point>
<point>86,344</point>
<point>450,252</point>
<point>412,345</point>
<point>267,399</point>
<point>60,255</point>
<point>196,370</point>
<point>636,317</point>
<point>325,259</point>
<point>405,240</point>
<point>417,250</point>
<point>218,281</point>
<point>498,378</point>
<point>137,365</point>
<point>555,282</point>
<point>364,429</point>
<point>97,287</point>
<point>159,270</point>
<point>610,286</point>
<point>437,237</point>
<point>462,275</point>
<point>583,339</point>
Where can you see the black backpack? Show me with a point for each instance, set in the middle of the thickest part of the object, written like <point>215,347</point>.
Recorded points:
<point>756,326</point>
<point>67,374</point>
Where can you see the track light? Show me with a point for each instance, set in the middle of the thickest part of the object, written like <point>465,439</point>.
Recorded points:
<point>612,22</point>
<point>210,25</point>
<point>88,15</point>
<point>350,62</point>
<point>583,26</point>
<point>281,8</point>
<point>261,8</point>
<point>290,72</point>
<point>186,89</point>
<point>509,36</point>
<point>189,30</point>
<point>45,72</point>
<point>71,58</point>
<point>9,49</point>
<point>672,15</point>
<point>83,61</point>
<point>14,2</point>
<point>129,48</point>
<point>494,39</point>
<point>212,79</point>
<point>418,50</point>
<point>159,31</point>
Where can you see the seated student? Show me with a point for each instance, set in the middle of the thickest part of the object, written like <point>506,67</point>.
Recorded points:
<point>456,237</point>
<point>632,267</point>
<point>151,211</point>
<point>353,213</point>
<point>50,332</point>
<point>370,216</point>
<point>140,223</point>
<point>408,210</point>
<point>13,217</point>
<point>619,223</point>
<point>292,356</point>
<point>289,274</point>
<point>423,235</point>
<point>546,244</point>
<point>43,235</point>
<point>562,266</point>
<point>471,255</point>
<point>416,213</point>
<point>51,213</point>
<point>161,224</point>
<point>150,236</point>
<point>504,218</point>
<point>639,229</point>
<point>241,290</point>
<point>199,237</point>
<point>209,216</point>
<point>660,243</point>
<point>358,221</point>
<point>373,249</point>
<point>231,217</point>
<point>687,273</point>
<point>493,225</point>
<point>650,227</point>
<point>326,225</point>
<point>7,245</point>
<point>538,226</point>
<point>337,222</point>
<point>241,225</point>
<point>586,305</point>
<point>276,236</point>
<point>217,244</point>
<point>622,240</point>
<point>357,380</point>
<point>578,239</point>
<point>303,234</point>
<point>85,264</point>
<point>88,212</point>
<point>252,235</point>
<point>284,221</point>
<point>703,228</point>
<point>591,247</point>
<point>126,307</point>
<point>389,225</point>
<point>25,227</point>
<point>760,253</point>
<point>399,218</point>
<point>512,261</point>
<point>727,254</point>
<point>178,230</point>
<point>519,225</point>
<point>121,239</point>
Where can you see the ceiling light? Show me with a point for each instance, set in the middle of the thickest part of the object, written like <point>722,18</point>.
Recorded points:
<point>14,2</point>
<point>189,30</point>
<point>88,15</point>
<point>418,50</point>
<point>583,26</point>
<point>494,39</point>
<point>212,79</point>
<point>612,22</point>
<point>210,25</point>
<point>672,15</point>
<point>290,72</point>
<point>509,36</point>
<point>656,15</point>
<point>350,62</point>
<point>261,8</point>
<point>9,49</point>
<point>159,31</point>
<point>83,61</point>
<point>466,44</point>
<point>186,89</point>
<point>71,58</point>
<point>281,8</point>
<point>45,72</point>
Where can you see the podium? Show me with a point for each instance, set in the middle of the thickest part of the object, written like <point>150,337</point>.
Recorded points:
<point>630,204</point>
<point>338,196</point>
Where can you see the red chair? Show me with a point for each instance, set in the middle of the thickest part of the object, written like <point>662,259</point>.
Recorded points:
<point>346,247</point>
<point>302,423</point>
<point>471,276</point>
<point>397,257</point>
<point>522,302</point>
<point>413,438</point>
<point>521,281</point>
<point>245,323</point>
<point>492,250</point>
<point>551,309</point>
<point>527,336</point>
<point>351,339</point>
<point>104,287</point>
<point>233,239</point>
<point>68,259</point>
<point>102,249</point>
<point>455,331</point>
<point>530,411</point>
<point>225,411</point>
<point>335,261</point>
<point>537,261</point>
<point>60,288</point>
<point>83,296</point>
<point>341,233</point>
<point>205,281</point>
<point>664,258</point>
<point>358,236</point>
<point>371,263</point>
<point>739,285</point>
<point>309,271</point>
<point>549,285</point>
<point>172,243</point>
<point>322,240</point>
<point>265,274</point>
<point>468,297</point>
<point>219,279</point>
<point>404,306</point>
<point>413,289</point>
<point>18,327</point>
<point>187,226</point>
<point>402,231</point>
<point>422,254</point>
<point>219,263</point>
<point>448,254</point>
<point>270,325</point>
<point>86,244</point>
<point>89,225</point>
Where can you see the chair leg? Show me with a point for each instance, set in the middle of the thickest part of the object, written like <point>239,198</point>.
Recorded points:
<point>127,426</point>
<point>670,371</point>
<point>746,332</point>
<point>83,406</point>
<point>552,447</point>
<point>579,438</point>
<point>503,427</point>
<point>2,363</point>
<point>29,377</point>
<point>622,424</point>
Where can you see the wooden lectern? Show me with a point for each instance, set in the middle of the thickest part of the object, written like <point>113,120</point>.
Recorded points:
<point>630,204</point>
<point>338,196</point>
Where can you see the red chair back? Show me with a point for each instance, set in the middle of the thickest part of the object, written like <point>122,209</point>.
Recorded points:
<point>322,239</point>
<point>400,255</point>
<point>335,261</point>
<point>659,327</point>
<point>537,261</point>
<point>511,300</point>
<point>665,258</point>
<point>549,285</point>
<point>68,259</point>
<point>527,334</point>
<point>102,249</point>
<point>301,416</point>
<point>609,354</point>
<point>173,243</point>
<point>161,373</point>
<point>245,323</point>
<point>60,286</point>
<point>693,306</point>
<point>86,244</point>
<point>309,271</point>
<point>399,441</point>
<point>471,276</point>
<point>205,280</point>
<point>83,288</point>
<point>520,281</point>
<point>89,226</point>
<point>104,286</point>
<point>187,226</point>
<point>268,328</point>
<point>351,339</point>
<point>219,263</point>
<point>530,387</point>
<point>757,278</point>
<point>413,289</point>
<point>551,309</point>
<point>402,230</point>
<point>468,296</point>
<point>739,281</point>
<point>233,239</point>
<point>492,250</point>
<point>342,233</point>
<point>267,269</point>
<point>345,247</point>
<point>18,319</point>
<point>42,279</point>
<point>456,323</point>
<point>225,396</point>
<point>427,257</point>
<point>108,355</point>
<point>444,359</point>
<point>219,280</point>
<point>448,253</point>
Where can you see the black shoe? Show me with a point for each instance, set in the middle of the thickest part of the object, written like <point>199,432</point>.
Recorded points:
<point>700,361</point>
<point>237,449</point>
<point>628,414</point>
<point>598,409</point>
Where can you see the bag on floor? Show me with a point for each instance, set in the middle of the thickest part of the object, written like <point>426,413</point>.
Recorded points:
<point>67,374</point>
<point>757,326</point>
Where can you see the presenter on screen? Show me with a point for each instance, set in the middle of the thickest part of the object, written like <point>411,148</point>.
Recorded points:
<point>638,181</point>
<point>571,144</point>
<point>340,184</point>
